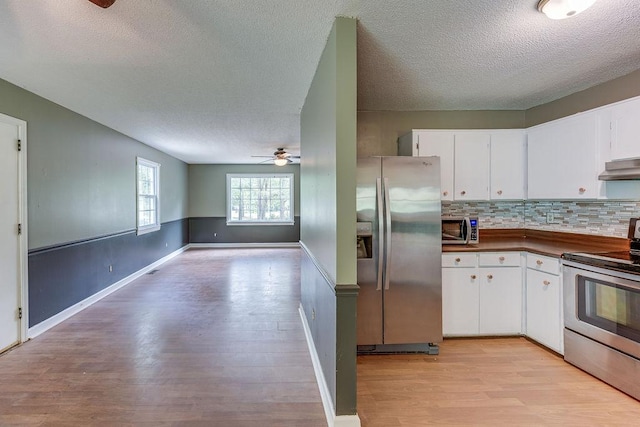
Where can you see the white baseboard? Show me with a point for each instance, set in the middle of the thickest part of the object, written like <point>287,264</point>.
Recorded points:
<point>245,245</point>
<point>45,325</point>
<point>333,420</point>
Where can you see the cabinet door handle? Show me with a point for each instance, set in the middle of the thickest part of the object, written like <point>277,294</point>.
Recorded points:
<point>445,193</point>
<point>582,190</point>
<point>489,276</point>
<point>499,192</point>
<point>473,277</point>
<point>546,283</point>
<point>501,259</point>
<point>458,260</point>
<point>539,262</point>
<point>463,192</point>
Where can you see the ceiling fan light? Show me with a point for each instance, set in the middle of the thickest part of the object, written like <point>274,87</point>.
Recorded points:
<point>280,162</point>
<point>561,9</point>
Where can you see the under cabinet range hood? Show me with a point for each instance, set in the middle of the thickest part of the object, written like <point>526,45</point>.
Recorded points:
<point>620,170</point>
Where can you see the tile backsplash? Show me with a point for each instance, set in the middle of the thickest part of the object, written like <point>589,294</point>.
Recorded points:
<point>602,218</point>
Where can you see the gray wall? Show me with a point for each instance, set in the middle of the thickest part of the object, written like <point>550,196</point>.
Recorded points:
<point>82,203</point>
<point>327,178</point>
<point>208,207</point>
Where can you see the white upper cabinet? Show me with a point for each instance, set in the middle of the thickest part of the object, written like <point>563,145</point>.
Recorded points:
<point>563,157</point>
<point>471,166</point>
<point>437,143</point>
<point>625,130</point>
<point>508,165</point>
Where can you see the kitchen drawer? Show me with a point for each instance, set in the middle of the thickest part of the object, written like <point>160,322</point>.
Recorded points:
<point>543,263</point>
<point>456,259</point>
<point>499,259</point>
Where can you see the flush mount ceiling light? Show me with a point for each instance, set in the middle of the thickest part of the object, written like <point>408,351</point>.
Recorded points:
<point>561,9</point>
<point>103,3</point>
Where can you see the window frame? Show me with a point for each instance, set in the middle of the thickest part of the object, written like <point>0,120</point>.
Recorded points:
<point>144,229</point>
<point>235,222</point>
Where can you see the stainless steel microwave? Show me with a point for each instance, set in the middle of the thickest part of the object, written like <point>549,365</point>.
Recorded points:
<point>459,230</point>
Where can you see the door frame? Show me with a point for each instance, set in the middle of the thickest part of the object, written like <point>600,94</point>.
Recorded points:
<point>23,241</point>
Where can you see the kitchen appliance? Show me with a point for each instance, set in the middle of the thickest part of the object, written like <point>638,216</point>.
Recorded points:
<point>602,314</point>
<point>460,230</point>
<point>621,170</point>
<point>399,255</point>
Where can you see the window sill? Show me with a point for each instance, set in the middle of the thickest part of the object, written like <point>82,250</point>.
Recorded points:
<point>234,223</point>
<point>147,229</point>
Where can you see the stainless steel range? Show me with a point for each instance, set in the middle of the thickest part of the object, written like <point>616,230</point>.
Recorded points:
<point>602,314</point>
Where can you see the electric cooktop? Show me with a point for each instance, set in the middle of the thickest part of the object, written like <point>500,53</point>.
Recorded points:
<point>621,261</point>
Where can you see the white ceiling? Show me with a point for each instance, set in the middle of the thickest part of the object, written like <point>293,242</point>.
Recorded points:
<point>216,81</point>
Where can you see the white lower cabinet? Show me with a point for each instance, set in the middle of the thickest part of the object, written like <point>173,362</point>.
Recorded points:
<point>481,294</point>
<point>460,296</point>
<point>544,308</point>
<point>500,301</point>
<point>484,294</point>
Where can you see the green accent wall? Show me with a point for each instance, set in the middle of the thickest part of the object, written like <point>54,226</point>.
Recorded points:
<point>208,186</point>
<point>328,212</point>
<point>378,131</point>
<point>81,174</point>
<point>615,90</point>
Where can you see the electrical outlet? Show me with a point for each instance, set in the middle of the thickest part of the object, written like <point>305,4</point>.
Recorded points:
<point>551,218</point>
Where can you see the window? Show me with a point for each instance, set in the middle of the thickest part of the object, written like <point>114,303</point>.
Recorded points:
<point>260,199</point>
<point>148,203</point>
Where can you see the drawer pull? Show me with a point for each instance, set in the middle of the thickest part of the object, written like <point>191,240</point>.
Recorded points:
<point>546,283</point>
<point>501,259</point>
<point>445,193</point>
<point>463,192</point>
<point>489,276</point>
<point>473,277</point>
<point>499,192</point>
<point>458,260</point>
<point>582,190</point>
<point>539,262</point>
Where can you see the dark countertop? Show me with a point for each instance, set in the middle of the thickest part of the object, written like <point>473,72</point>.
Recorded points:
<point>548,243</point>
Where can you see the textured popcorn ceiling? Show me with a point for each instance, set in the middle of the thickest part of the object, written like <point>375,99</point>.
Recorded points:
<point>215,81</point>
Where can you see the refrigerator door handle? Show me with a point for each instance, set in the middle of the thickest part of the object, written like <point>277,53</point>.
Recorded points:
<point>387,209</point>
<point>468,233</point>
<point>380,232</point>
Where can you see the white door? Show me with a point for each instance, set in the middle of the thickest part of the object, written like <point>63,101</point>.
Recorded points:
<point>9,239</point>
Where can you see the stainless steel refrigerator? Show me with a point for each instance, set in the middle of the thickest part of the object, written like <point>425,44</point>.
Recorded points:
<point>399,254</point>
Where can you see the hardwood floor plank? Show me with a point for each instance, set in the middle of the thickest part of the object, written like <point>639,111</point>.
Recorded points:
<point>486,382</point>
<point>213,338</point>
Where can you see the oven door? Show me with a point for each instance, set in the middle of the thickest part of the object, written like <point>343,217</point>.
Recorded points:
<point>603,305</point>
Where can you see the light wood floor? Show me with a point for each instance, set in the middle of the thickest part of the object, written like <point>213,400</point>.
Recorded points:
<point>213,338</point>
<point>497,382</point>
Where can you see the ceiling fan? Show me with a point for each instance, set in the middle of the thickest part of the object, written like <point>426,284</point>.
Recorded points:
<point>280,157</point>
<point>103,3</point>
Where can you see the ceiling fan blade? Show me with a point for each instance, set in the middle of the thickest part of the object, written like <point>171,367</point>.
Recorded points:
<point>271,157</point>
<point>103,3</point>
